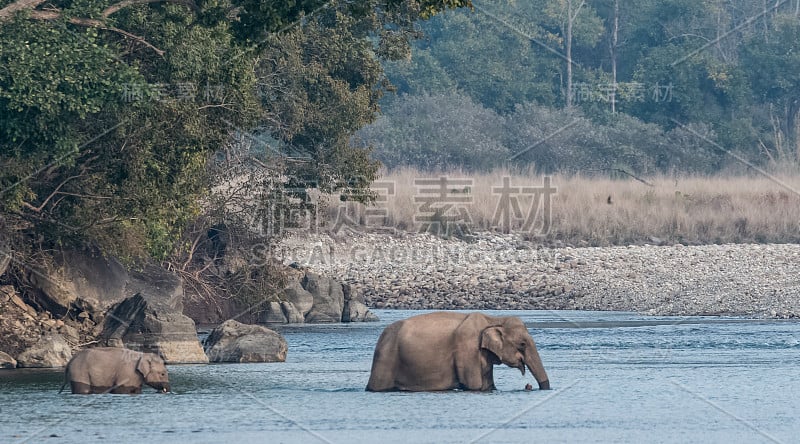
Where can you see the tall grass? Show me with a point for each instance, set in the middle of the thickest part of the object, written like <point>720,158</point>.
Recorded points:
<point>603,211</point>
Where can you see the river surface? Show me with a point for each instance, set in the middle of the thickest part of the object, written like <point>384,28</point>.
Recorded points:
<point>616,377</point>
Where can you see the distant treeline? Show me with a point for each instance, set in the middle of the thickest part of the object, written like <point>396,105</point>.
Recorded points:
<point>448,130</point>
<point>653,86</point>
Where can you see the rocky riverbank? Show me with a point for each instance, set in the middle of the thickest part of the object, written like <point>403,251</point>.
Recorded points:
<point>491,271</point>
<point>83,299</point>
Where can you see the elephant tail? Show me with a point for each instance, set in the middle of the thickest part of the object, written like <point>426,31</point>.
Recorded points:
<point>66,380</point>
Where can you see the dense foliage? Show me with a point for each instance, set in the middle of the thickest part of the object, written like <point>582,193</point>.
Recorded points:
<point>448,130</point>
<point>655,86</point>
<point>111,113</point>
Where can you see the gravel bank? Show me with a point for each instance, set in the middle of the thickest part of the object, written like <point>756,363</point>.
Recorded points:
<point>416,271</point>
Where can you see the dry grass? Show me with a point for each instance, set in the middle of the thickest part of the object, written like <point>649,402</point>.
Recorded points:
<point>691,210</point>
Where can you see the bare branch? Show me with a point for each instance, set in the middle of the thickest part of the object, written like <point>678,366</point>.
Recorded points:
<point>86,196</point>
<point>19,5</point>
<point>221,105</point>
<point>191,251</point>
<point>52,15</point>
<point>55,192</point>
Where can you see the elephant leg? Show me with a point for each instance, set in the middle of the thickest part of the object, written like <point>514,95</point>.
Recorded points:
<point>126,390</point>
<point>79,388</point>
<point>475,377</point>
<point>381,378</point>
<point>384,363</point>
<point>470,380</point>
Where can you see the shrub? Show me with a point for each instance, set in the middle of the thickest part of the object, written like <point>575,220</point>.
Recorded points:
<point>437,131</point>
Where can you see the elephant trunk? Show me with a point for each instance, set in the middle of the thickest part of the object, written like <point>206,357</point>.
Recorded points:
<point>534,363</point>
<point>162,387</point>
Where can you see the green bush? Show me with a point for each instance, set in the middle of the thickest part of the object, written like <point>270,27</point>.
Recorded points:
<point>437,131</point>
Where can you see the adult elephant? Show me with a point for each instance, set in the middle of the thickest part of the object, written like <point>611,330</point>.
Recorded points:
<point>446,350</point>
<point>115,370</point>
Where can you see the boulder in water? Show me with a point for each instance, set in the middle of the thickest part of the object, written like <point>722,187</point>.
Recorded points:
<point>233,341</point>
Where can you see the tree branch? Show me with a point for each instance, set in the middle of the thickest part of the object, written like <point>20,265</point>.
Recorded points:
<point>56,191</point>
<point>221,105</point>
<point>22,5</point>
<point>192,250</point>
<point>86,196</point>
<point>52,15</point>
<point>19,5</point>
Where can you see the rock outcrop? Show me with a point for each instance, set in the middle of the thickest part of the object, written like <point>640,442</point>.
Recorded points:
<point>293,315</point>
<point>299,297</point>
<point>90,282</point>
<point>307,298</point>
<point>273,314</point>
<point>328,298</point>
<point>233,341</point>
<point>90,298</point>
<point>51,351</point>
<point>354,308</point>
<point>316,299</point>
<point>283,312</point>
<point>21,326</point>
<point>84,298</point>
<point>6,361</point>
<point>146,324</point>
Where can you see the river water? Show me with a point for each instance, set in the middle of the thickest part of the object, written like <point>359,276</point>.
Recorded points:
<point>616,377</point>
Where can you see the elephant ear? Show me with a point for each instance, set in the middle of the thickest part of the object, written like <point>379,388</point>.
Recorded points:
<point>492,340</point>
<point>143,366</point>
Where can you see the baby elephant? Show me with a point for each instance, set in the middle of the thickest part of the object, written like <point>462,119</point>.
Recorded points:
<point>115,370</point>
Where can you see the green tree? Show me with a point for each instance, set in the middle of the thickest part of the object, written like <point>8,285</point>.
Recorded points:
<point>508,71</point>
<point>773,68</point>
<point>522,47</point>
<point>573,22</point>
<point>420,74</point>
<point>436,132</point>
<point>112,111</point>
